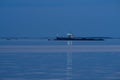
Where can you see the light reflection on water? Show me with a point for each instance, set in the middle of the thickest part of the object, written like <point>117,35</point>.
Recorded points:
<point>52,66</point>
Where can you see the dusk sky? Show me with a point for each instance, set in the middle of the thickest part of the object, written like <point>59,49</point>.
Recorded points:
<point>36,18</point>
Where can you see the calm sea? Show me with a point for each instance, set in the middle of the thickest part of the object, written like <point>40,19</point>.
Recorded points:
<point>58,65</point>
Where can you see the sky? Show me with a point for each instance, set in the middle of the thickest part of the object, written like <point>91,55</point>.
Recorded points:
<point>41,18</point>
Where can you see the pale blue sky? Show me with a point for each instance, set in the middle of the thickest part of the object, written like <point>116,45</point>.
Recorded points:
<point>51,17</point>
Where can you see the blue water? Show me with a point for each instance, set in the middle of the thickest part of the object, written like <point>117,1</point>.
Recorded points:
<point>53,66</point>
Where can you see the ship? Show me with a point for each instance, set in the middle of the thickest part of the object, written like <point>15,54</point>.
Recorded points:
<point>71,37</point>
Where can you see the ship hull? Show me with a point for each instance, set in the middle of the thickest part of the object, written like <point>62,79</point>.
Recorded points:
<point>78,39</point>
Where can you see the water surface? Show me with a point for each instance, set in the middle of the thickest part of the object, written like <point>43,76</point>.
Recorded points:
<point>22,65</point>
